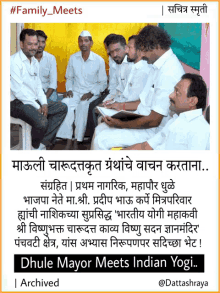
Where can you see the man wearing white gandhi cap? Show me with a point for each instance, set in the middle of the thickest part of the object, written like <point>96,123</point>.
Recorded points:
<point>85,79</point>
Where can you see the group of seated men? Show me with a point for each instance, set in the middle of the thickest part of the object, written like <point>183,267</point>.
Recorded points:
<point>145,76</point>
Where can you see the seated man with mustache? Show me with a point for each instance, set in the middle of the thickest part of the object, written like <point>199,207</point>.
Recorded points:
<point>85,80</point>
<point>48,68</point>
<point>28,101</point>
<point>188,129</point>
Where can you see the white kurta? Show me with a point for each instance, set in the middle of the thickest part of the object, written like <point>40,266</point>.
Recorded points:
<point>82,77</point>
<point>164,75</point>
<point>188,131</point>
<point>24,80</point>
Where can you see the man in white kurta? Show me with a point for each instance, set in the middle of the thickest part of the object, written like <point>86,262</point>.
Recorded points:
<point>85,79</point>
<point>187,129</point>
<point>166,71</point>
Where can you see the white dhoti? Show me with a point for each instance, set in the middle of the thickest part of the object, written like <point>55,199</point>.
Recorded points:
<point>66,128</point>
<point>81,118</point>
<point>107,137</point>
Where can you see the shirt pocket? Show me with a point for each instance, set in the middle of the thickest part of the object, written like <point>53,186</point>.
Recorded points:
<point>45,73</point>
<point>130,87</point>
<point>147,101</point>
<point>91,72</point>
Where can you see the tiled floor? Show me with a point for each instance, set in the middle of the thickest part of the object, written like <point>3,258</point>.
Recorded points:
<point>60,144</point>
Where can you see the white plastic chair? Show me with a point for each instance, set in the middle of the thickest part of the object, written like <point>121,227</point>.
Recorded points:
<point>24,135</point>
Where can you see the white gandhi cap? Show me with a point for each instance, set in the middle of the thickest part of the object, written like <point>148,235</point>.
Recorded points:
<point>85,34</point>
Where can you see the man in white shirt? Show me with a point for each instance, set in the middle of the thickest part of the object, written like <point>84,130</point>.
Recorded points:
<point>153,102</point>
<point>122,67</point>
<point>48,68</point>
<point>188,129</point>
<point>48,75</point>
<point>138,75</point>
<point>85,79</point>
<point>135,81</point>
<point>28,101</point>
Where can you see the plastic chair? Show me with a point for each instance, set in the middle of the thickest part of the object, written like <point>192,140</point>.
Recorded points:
<point>207,114</point>
<point>24,135</point>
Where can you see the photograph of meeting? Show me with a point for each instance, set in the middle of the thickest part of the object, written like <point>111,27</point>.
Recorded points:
<point>114,86</point>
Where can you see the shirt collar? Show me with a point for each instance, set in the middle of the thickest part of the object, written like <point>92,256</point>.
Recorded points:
<point>24,57</point>
<point>139,64</point>
<point>192,114</point>
<point>44,55</point>
<point>91,55</point>
<point>159,63</point>
<point>125,60</point>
